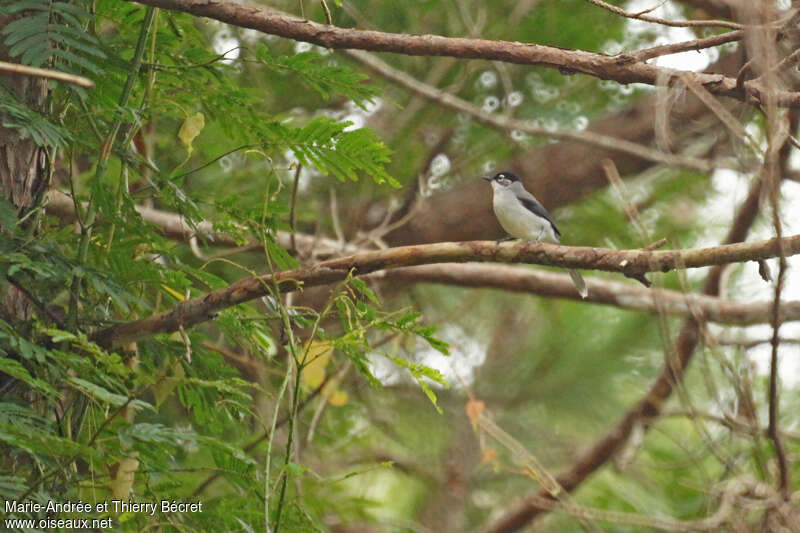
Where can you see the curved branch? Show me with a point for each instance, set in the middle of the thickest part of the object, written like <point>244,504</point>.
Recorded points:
<point>202,308</point>
<point>674,23</point>
<point>601,291</point>
<point>572,61</point>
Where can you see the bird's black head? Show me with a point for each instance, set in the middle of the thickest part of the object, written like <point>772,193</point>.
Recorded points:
<point>503,178</point>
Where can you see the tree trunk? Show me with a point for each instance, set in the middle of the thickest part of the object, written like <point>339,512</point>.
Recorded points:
<point>23,169</point>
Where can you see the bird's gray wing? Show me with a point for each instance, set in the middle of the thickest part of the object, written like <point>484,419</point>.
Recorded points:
<point>532,204</point>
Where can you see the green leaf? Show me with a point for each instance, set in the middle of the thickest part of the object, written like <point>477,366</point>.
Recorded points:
<point>104,395</point>
<point>29,123</point>
<point>12,487</point>
<point>16,370</point>
<point>57,335</point>
<point>322,75</point>
<point>328,145</point>
<point>420,372</point>
<point>41,443</point>
<point>154,433</point>
<point>283,260</point>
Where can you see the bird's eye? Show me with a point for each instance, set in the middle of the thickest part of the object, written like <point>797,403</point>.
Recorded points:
<point>503,180</point>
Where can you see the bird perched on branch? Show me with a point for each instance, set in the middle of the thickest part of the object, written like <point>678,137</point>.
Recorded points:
<point>523,217</point>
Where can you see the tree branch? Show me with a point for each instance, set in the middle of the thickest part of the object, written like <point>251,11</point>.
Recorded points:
<point>572,61</point>
<point>25,70</point>
<point>202,308</point>
<point>601,291</point>
<point>176,227</point>
<point>685,46</point>
<point>559,174</point>
<point>675,23</point>
<point>539,282</point>
<point>505,123</point>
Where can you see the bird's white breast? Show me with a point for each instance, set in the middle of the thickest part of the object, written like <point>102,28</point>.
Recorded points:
<point>517,220</point>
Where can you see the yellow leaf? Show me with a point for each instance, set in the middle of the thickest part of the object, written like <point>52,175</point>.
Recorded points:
<point>190,129</point>
<point>338,398</point>
<point>172,291</point>
<point>126,474</point>
<point>316,359</point>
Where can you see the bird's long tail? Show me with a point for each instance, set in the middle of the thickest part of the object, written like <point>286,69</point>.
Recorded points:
<point>577,280</point>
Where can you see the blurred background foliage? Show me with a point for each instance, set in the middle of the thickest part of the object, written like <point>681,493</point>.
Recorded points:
<point>213,129</point>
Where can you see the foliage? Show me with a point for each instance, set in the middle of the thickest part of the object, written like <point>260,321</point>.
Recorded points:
<point>52,33</point>
<point>134,420</point>
<point>294,410</point>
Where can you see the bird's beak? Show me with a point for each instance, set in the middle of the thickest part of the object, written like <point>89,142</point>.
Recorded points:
<point>487,178</point>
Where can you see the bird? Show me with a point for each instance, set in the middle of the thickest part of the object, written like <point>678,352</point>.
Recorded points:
<point>523,217</point>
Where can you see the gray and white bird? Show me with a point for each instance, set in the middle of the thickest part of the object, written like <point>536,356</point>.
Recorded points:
<point>523,217</point>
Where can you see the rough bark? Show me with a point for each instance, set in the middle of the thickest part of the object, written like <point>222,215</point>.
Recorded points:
<point>601,291</point>
<point>203,308</point>
<point>617,68</point>
<point>23,169</point>
<point>23,164</point>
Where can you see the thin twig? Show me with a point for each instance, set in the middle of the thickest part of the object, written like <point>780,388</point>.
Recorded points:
<point>337,226</point>
<point>778,134</point>
<point>25,70</point>
<point>722,113</point>
<point>36,302</point>
<point>250,446</point>
<point>327,12</point>
<point>665,22</point>
<point>612,174</point>
<point>686,46</point>
<point>752,343</point>
<point>726,420</point>
<point>292,206</point>
<point>87,225</point>
<point>89,444</point>
<point>326,393</point>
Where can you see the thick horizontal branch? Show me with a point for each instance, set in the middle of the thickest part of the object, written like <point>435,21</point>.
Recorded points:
<point>203,308</point>
<point>505,277</point>
<point>601,291</point>
<point>566,60</point>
